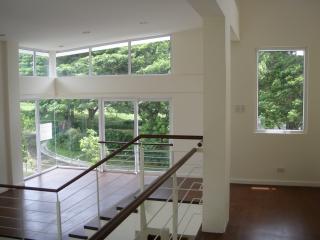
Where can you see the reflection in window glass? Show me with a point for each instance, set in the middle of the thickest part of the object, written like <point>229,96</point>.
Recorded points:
<point>73,63</point>
<point>281,89</point>
<point>28,137</point>
<point>74,139</point>
<point>42,64</point>
<point>25,62</point>
<point>154,119</point>
<point>110,59</point>
<point>151,56</point>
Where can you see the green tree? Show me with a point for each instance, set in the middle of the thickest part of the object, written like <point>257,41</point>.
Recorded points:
<point>25,64</point>
<point>281,77</point>
<point>90,146</point>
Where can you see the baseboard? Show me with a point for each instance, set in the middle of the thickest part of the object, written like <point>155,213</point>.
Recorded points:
<point>275,182</point>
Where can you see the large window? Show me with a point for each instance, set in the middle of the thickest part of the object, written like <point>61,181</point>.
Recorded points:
<point>33,63</point>
<point>73,63</point>
<point>281,79</point>
<point>148,56</point>
<point>65,132</point>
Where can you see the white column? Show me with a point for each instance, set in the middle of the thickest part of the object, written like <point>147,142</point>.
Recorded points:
<point>4,175</point>
<point>11,161</point>
<point>216,124</point>
<point>52,64</point>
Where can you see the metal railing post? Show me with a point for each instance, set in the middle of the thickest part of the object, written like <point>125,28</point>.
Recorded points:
<point>143,219</point>
<point>175,196</point>
<point>59,222</point>
<point>98,196</point>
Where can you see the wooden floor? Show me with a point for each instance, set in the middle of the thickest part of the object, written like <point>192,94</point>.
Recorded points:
<point>33,214</point>
<point>272,213</point>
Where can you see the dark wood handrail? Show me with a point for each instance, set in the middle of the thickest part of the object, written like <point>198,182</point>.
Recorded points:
<point>111,155</point>
<point>137,143</point>
<point>123,214</point>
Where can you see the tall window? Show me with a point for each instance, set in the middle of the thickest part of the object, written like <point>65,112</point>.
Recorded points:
<point>33,63</point>
<point>281,79</point>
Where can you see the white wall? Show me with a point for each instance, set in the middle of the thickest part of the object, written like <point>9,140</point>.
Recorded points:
<point>255,157</point>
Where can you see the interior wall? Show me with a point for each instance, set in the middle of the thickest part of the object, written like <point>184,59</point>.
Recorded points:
<point>256,156</point>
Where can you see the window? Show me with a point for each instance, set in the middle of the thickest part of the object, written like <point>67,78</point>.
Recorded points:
<point>28,137</point>
<point>25,62</point>
<point>151,56</point>
<point>110,59</point>
<point>73,63</point>
<point>65,132</point>
<point>281,78</point>
<point>33,63</point>
<point>42,64</point>
<point>148,56</point>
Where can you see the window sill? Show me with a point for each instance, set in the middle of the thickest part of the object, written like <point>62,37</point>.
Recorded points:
<point>279,132</point>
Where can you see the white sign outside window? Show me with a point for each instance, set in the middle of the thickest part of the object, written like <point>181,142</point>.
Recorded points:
<point>45,131</point>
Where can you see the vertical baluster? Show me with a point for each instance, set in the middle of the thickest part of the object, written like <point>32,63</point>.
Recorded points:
<point>175,195</point>
<point>59,223</point>
<point>143,220</point>
<point>98,196</point>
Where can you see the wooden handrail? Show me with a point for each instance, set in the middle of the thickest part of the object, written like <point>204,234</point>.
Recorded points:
<point>137,143</point>
<point>123,214</point>
<point>111,155</point>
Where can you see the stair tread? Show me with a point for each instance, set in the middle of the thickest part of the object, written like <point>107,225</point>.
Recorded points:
<point>79,233</point>
<point>108,213</point>
<point>126,201</point>
<point>94,224</point>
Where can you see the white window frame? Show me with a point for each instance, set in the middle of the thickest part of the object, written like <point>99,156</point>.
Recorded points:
<point>305,93</point>
<point>34,54</point>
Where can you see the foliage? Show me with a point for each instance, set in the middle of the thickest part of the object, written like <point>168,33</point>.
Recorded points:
<point>90,146</point>
<point>281,77</point>
<point>25,64</point>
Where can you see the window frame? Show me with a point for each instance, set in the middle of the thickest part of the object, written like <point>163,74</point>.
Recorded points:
<point>34,67</point>
<point>305,93</point>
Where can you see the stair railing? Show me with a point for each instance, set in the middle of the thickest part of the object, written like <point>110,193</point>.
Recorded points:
<point>61,196</point>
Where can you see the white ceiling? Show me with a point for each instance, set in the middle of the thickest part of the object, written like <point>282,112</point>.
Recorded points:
<point>47,24</point>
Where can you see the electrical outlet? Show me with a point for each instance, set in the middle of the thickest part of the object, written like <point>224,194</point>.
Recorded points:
<point>281,170</point>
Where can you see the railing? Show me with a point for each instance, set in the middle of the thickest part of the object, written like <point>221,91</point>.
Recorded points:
<point>81,199</point>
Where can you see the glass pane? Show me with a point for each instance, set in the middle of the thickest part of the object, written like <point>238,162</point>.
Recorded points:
<point>74,140</point>
<point>110,60</point>
<point>75,63</point>
<point>154,119</point>
<point>42,64</point>
<point>151,56</point>
<point>25,62</point>
<point>280,95</point>
<point>28,137</point>
<point>119,127</point>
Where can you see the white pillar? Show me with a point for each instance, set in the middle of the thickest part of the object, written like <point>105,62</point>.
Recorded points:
<point>216,124</point>
<point>4,175</point>
<point>10,116</point>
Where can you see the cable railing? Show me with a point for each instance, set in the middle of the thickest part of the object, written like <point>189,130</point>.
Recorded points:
<point>55,212</point>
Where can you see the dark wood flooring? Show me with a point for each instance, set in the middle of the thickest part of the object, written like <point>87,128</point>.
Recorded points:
<point>271,213</point>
